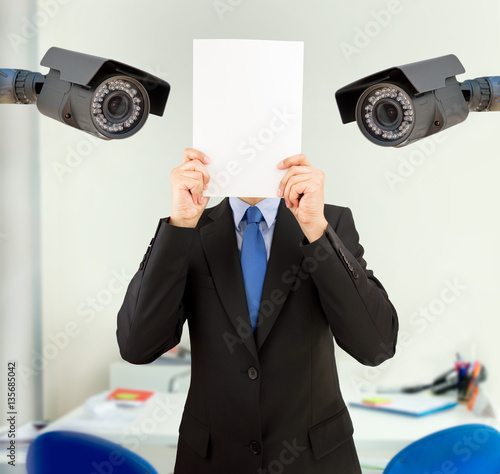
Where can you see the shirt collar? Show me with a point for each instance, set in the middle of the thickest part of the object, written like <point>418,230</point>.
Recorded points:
<point>268,207</point>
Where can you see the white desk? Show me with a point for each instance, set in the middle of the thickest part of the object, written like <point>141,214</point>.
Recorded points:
<point>150,431</point>
<point>380,435</point>
<point>154,433</point>
<point>156,376</point>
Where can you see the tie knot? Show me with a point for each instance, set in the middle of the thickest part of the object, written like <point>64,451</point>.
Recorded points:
<point>254,215</point>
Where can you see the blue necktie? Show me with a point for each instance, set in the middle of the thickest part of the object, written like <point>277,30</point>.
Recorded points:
<point>253,262</point>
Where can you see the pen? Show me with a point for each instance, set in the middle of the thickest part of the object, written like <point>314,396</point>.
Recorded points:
<point>413,389</point>
<point>473,380</point>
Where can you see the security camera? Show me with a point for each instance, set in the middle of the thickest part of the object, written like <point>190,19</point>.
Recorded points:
<point>400,105</point>
<point>100,96</point>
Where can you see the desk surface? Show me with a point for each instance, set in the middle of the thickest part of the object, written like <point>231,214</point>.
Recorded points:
<point>152,430</point>
<point>383,434</point>
<point>157,422</point>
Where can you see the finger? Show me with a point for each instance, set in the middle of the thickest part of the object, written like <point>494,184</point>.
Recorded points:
<point>191,177</point>
<point>295,160</point>
<point>196,165</point>
<point>204,201</point>
<point>192,154</point>
<point>294,171</point>
<point>295,187</point>
<point>192,181</point>
<point>315,183</point>
<point>297,191</point>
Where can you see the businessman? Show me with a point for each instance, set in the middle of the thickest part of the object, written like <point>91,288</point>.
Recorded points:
<point>266,286</point>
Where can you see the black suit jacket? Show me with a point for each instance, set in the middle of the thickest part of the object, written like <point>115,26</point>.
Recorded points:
<point>269,401</point>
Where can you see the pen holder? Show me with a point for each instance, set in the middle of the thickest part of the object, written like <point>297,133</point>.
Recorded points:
<point>470,376</point>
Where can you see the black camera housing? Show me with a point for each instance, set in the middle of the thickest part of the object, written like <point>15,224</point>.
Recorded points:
<point>400,105</point>
<point>103,97</point>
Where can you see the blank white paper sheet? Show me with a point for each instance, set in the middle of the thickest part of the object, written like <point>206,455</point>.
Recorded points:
<point>247,112</point>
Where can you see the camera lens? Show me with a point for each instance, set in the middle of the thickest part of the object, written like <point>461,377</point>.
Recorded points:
<point>388,114</point>
<point>117,106</point>
<point>120,107</point>
<point>385,114</point>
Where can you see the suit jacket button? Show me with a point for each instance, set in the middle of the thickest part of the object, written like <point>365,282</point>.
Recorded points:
<point>355,274</point>
<point>255,447</point>
<point>253,373</point>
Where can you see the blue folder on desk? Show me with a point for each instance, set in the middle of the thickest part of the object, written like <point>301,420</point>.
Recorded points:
<point>406,404</point>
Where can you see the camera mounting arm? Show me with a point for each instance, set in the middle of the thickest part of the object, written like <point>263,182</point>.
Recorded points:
<point>482,94</point>
<point>18,86</point>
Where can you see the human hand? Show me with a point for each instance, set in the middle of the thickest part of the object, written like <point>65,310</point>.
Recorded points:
<point>302,187</point>
<point>188,181</point>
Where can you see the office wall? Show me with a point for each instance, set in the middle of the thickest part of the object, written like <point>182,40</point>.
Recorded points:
<point>20,311</point>
<point>426,213</point>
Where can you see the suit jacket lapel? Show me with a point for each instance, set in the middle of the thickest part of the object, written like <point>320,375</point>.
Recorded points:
<point>284,262</point>
<point>219,243</point>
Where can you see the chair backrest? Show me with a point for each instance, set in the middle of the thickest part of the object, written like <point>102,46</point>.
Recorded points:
<point>463,449</point>
<point>69,452</point>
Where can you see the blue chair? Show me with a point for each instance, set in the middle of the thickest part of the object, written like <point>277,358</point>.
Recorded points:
<point>69,452</point>
<point>463,449</point>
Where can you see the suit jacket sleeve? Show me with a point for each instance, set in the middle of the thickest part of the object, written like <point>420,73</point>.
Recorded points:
<point>151,317</point>
<point>363,320</point>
